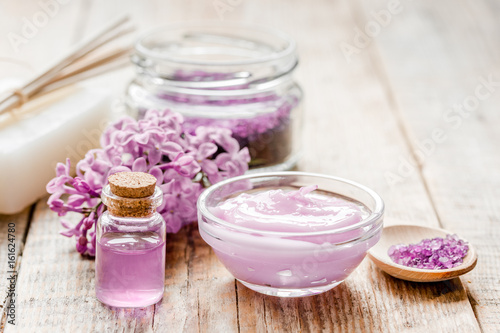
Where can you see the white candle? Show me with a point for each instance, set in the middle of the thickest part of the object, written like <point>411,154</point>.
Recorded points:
<point>31,146</point>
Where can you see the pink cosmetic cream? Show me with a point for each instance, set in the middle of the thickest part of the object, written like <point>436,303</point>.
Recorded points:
<point>290,234</point>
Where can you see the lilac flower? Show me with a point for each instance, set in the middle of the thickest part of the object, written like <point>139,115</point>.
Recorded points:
<point>183,162</point>
<point>234,161</point>
<point>58,184</point>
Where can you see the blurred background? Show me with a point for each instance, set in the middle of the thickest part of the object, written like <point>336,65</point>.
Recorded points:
<point>380,78</point>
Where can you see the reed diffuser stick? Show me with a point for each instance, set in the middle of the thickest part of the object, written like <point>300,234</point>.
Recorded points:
<point>74,61</point>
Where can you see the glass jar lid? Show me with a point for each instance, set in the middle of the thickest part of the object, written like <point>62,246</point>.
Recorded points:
<point>212,56</point>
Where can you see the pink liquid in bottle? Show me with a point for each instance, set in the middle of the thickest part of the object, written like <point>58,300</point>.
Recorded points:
<point>131,269</point>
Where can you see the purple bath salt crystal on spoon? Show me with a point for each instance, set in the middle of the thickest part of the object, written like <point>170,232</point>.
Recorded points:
<point>436,253</point>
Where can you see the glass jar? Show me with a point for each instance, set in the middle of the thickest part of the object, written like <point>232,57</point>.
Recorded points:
<point>130,252</point>
<point>236,77</point>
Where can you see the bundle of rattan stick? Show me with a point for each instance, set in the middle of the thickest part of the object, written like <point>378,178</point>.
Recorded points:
<point>86,61</point>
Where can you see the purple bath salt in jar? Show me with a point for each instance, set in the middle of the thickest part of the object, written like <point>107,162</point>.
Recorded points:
<point>235,77</point>
<point>130,244</point>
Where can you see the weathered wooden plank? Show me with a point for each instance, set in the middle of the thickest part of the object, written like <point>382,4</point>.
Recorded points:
<point>445,89</point>
<point>199,292</point>
<point>214,288</point>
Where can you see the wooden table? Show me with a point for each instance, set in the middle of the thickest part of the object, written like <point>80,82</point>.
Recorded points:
<point>397,98</point>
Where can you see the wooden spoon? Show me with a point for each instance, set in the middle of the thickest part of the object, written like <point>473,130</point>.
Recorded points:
<point>412,234</point>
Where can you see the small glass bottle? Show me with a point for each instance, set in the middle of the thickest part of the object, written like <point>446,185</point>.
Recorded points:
<point>131,235</point>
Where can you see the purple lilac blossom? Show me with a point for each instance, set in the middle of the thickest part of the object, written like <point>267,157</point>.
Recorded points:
<point>183,162</point>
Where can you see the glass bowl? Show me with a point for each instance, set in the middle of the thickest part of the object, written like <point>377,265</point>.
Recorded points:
<point>290,264</point>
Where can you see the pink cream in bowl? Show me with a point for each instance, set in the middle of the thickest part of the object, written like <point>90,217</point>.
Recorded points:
<point>290,234</point>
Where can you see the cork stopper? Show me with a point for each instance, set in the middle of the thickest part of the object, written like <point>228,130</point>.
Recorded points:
<point>132,194</point>
<point>132,184</point>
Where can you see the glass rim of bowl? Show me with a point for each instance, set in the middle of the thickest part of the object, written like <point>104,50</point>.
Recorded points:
<point>290,49</point>
<point>375,215</point>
